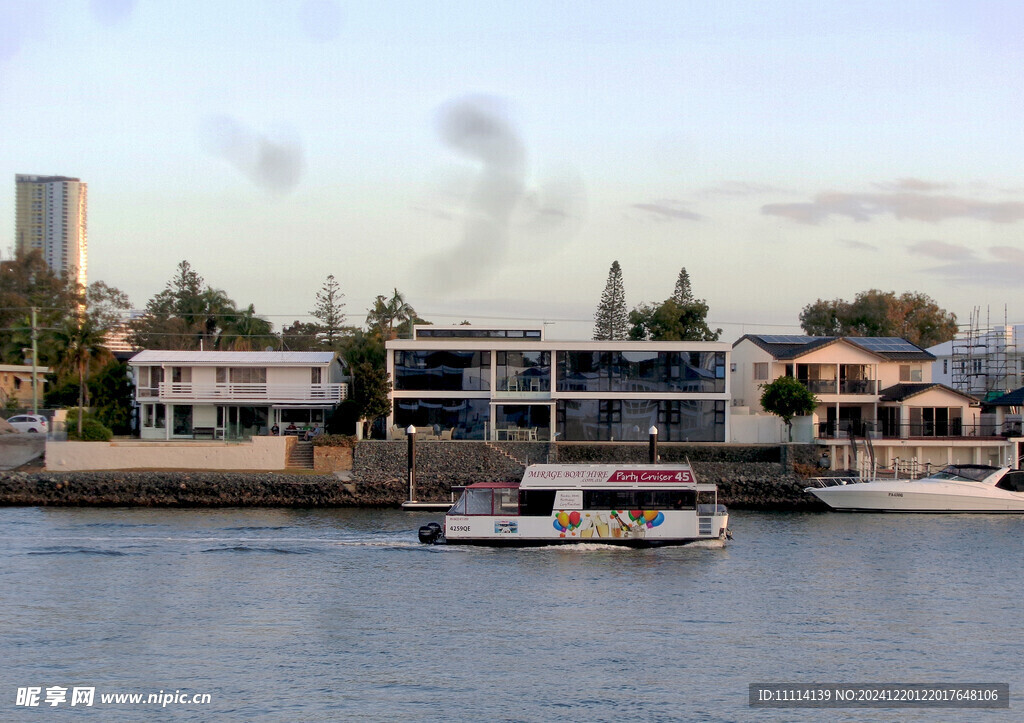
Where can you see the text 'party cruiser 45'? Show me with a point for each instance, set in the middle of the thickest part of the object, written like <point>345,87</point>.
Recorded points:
<point>638,505</point>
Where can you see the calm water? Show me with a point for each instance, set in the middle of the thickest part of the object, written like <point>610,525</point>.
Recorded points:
<point>320,615</point>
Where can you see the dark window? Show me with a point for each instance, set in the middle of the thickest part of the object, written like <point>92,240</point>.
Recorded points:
<point>639,499</point>
<point>538,503</point>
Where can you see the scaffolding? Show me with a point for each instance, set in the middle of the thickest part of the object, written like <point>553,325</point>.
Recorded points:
<point>985,361</point>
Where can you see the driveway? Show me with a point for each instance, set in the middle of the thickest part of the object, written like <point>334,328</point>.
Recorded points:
<point>18,449</point>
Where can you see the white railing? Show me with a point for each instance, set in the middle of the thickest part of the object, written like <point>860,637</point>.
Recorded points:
<point>239,392</point>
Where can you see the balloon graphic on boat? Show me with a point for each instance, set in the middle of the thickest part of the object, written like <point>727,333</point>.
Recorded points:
<point>574,519</point>
<point>557,525</point>
<point>563,519</point>
<point>658,519</point>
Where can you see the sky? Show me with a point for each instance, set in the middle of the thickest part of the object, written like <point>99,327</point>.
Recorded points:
<point>492,159</point>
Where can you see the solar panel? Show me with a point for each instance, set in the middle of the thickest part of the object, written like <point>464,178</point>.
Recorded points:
<point>788,338</point>
<point>884,343</point>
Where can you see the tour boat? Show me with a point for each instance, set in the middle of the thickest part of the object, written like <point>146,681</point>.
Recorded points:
<point>956,488</point>
<point>638,505</point>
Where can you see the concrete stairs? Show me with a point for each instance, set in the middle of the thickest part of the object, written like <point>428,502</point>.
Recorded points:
<point>505,454</point>
<point>301,456</point>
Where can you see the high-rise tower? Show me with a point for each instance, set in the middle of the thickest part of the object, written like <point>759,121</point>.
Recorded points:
<point>50,217</point>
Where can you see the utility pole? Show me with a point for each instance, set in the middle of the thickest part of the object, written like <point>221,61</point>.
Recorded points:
<point>35,356</point>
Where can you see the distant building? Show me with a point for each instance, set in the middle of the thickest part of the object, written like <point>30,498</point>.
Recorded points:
<point>467,382</point>
<point>50,216</point>
<point>16,384</point>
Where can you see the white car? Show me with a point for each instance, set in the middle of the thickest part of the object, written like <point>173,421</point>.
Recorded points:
<point>29,423</point>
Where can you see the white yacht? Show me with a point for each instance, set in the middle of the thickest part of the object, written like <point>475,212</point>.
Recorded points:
<point>956,488</point>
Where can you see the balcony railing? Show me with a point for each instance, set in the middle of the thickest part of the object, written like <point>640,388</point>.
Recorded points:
<point>953,429</point>
<point>845,386</point>
<point>243,393</point>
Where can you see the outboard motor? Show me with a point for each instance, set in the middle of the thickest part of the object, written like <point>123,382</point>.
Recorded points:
<point>431,534</point>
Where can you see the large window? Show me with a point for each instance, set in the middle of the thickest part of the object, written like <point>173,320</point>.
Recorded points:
<point>677,420</point>
<point>641,371</point>
<point>523,371</point>
<point>467,418</point>
<point>454,371</point>
<point>242,375</point>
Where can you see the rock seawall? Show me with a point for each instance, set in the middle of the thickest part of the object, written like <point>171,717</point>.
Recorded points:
<point>748,477</point>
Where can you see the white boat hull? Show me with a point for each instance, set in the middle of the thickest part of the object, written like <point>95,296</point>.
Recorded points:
<point>919,496</point>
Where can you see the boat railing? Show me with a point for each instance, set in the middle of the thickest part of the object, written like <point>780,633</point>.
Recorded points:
<point>833,481</point>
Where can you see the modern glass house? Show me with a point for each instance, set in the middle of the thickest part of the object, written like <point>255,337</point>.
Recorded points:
<point>468,382</point>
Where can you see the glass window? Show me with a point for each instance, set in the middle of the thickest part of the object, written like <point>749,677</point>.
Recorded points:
<point>315,374</point>
<point>506,501</point>
<point>537,503</point>
<point>467,418</point>
<point>443,370</point>
<point>640,371</point>
<point>678,420</point>
<point>760,371</point>
<point>478,502</point>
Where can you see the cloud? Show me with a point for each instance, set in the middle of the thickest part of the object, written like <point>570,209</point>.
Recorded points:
<point>912,184</point>
<point>859,245</point>
<point>942,250</point>
<point>739,189</point>
<point>274,164</point>
<point>904,206</point>
<point>667,209</point>
<point>1005,267</point>
<point>496,200</point>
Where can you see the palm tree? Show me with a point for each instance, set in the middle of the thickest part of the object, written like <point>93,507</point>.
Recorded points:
<point>243,331</point>
<point>80,341</point>
<point>387,313</point>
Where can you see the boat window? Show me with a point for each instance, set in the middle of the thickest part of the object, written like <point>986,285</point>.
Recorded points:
<point>537,502</point>
<point>707,502</point>
<point>639,500</point>
<point>459,508</point>
<point>478,502</point>
<point>506,501</point>
<point>1012,481</point>
<point>966,474</point>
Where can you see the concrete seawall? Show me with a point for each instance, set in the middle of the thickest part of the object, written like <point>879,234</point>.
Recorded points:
<point>757,478</point>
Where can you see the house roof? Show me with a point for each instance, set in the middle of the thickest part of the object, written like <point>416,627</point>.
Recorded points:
<point>904,391</point>
<point>1010,399</point>
<point>207,358</point>
<point>791,346</point>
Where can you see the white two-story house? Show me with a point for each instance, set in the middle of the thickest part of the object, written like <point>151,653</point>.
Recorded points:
<point>233,394</point>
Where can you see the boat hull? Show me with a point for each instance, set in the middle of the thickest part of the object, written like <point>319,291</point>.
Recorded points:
<point>927,496</point>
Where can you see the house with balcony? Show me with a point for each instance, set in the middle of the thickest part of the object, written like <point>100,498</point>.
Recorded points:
<point>877,388</point>
<point>233,394</point>
<point>468,382</point>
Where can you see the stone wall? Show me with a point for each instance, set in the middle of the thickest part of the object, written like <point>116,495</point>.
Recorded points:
<point>747,477</point>
<point>332,459</point>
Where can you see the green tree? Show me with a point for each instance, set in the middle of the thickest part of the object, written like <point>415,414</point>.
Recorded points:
<point>26,282</point>
<point>681,317</point>
<point>610,318</point>
<point>913,316</point>
<point>671,321</point>
<point>683,293</point>
<point>189,314</point>
<point>80,342</point>
<point>372,389</point>
<point>392,317</point>
<point>300,336</point>
<point>786,397</point>
<point>328,309</point>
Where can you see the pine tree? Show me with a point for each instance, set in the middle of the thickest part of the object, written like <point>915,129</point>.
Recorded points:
<point>611,321</point>
<point>683,293</point>
<point>328,310</point>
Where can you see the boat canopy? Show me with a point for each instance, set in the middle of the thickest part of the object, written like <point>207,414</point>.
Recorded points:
<point>965,472</point>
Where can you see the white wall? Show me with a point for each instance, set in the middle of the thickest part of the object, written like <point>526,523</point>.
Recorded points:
<point>260,453</point>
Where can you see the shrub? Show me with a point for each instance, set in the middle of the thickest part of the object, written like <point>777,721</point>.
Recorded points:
<point>334,440</point>
<point>93,430</point>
